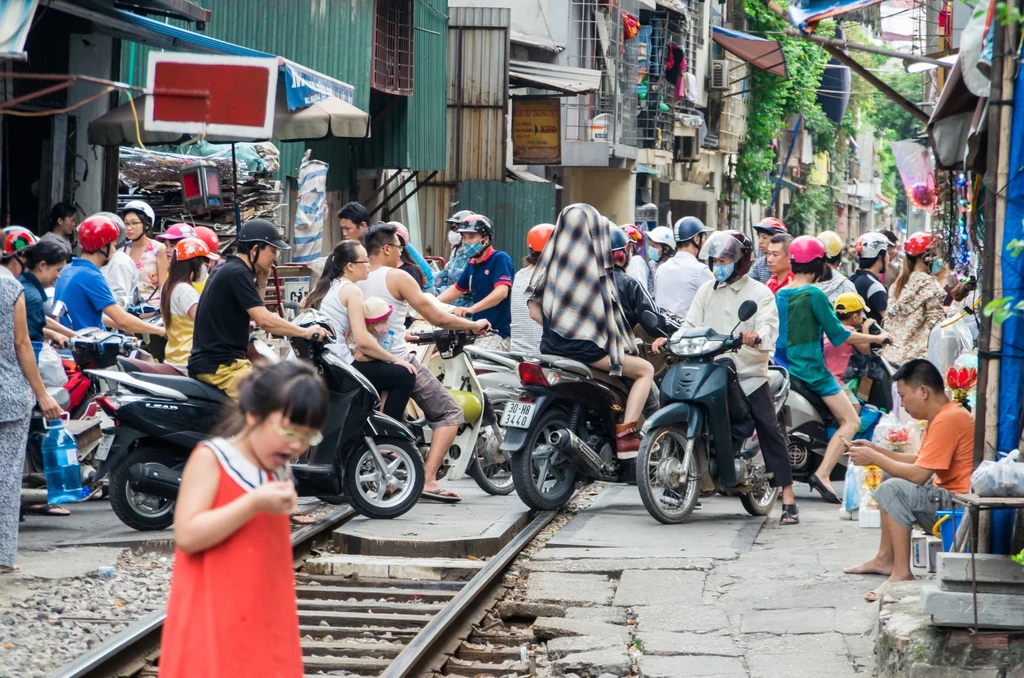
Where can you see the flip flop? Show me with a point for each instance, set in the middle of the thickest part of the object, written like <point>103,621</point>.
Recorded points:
<point>48,510</point>
<point>302,519</point>
<point>876,595</point>
<point>10,569</point>
<point>826,494</point>
<point>443,496</point>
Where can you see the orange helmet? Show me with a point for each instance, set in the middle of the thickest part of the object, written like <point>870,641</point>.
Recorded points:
<point>192,248</point>
<point>634,233</point>
<point>210,237</point>
<point>538,236</point>
<point>772,226</point>
<point>919,243</point>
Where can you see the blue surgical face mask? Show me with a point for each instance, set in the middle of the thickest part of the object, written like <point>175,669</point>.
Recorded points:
<point>937,265</point>
<point>474,249</point>
<point>653,253</point>
<point>723,272</point>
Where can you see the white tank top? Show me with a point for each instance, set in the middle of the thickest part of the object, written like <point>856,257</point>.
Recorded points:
<point>332,308</point>
<point>377,286</point>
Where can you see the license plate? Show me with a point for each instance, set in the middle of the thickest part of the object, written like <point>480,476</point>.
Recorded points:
<point>518,415</point>
<point>104,449</point>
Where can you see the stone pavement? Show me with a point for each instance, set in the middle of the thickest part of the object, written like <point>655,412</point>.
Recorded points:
<point>718,596</point>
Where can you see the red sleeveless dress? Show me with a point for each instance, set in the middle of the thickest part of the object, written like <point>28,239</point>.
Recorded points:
<point>232,609</point>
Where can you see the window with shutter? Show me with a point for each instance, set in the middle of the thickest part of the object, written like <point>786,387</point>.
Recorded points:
<point>392,46</point>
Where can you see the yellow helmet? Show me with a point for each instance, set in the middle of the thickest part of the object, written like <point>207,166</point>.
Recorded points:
<point>832,242</point>
<point>849,302</point>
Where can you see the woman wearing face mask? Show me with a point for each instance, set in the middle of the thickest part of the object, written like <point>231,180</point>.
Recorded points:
<point>660,245</point>
<point>337,296</point>
<point>150,256</point>
<point>915,300</point>
<point>190,263</point>
<point>457,262</point>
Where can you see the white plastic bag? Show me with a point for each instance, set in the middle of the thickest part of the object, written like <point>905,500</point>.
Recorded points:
<point>51,368</point>
<point>852,488</point>
<point>1003,478</point>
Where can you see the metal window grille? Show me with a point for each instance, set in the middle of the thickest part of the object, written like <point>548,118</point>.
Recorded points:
<point>597,42</point>
<point>393,46</point>
<point>654,125</point>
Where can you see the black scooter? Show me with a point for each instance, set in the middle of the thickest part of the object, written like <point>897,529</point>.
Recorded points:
<point>692,447</point>
<point>366,458</point>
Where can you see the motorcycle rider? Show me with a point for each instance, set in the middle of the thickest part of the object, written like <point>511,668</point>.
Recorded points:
<point>638,267</point>
<point>526,333</point>
<point>716,306</point>
<point>489,277</point>
<point>457,261</point>
<point>233,297</point>
<point>84,290</point>
<point>766,229</point>
<point>678,279</point>
<point>660,247</point>
<point>398,289</point>
<point>873,254</point>
<point>633,298</point>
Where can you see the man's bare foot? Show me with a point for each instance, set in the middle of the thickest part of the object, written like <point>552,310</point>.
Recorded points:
<point>873,566</point>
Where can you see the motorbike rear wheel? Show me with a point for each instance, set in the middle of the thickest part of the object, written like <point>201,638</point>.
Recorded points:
<point>493,477</point>
<point>544,479</point>
<point>138,510</point>
<point>668,481</point>
<point>760,501</point>
<point>366,489</point>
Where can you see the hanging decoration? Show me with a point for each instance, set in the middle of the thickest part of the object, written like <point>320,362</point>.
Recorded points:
<point>917,169</point>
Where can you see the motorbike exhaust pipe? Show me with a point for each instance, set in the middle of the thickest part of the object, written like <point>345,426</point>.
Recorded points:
<point>566,441</point>
<point>155,479</point>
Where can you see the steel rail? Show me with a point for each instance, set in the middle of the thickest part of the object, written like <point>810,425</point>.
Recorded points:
<point>423,645</point>
<point>134,643</point>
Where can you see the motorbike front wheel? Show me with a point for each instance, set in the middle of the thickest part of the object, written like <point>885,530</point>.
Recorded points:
<point>370,492</point>
<point>138,510</point>
<point>668,478</point>
<point>544,478</point>
<point>493,476</point>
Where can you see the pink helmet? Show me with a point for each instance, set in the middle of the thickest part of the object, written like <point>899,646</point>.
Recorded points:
<point>402,231</point>
<point>177,232</point>
<point>805,249</point>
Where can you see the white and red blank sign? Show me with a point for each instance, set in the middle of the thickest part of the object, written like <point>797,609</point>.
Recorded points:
<point>211,94</point>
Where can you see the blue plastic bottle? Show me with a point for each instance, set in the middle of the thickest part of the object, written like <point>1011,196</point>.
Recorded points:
<point>60,461</point>
<point>388,340</point>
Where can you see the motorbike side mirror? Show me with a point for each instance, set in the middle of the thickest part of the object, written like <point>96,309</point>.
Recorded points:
<point>747,310</point>
<point>56,310</point>
<point>652,323</point>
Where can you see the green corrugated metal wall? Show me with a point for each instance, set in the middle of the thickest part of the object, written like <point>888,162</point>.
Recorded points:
<point>513,207</point>
<point>335,38</point>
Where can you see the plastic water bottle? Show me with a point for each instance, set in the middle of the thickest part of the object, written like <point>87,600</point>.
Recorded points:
<point>60,460</point>
<point>388,340</point>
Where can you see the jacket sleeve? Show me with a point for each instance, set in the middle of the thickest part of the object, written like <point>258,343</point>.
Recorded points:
<point>636,301</point>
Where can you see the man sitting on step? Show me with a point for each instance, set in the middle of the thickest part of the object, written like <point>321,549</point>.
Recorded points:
<point>920,485</point>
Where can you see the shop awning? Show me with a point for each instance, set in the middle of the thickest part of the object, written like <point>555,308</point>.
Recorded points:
<point>644,169</point>
<point>179,9</point>
<point>329,117</point>
<point>758,52</point>
<point>805,14</point>
<point>125,25</point>
<point>562,79</point>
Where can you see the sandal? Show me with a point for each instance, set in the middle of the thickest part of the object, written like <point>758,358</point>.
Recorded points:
<point>301,519</point>
<point>790,515</point>
<point>876,595</point>
<point>48,510</point>
<point>10,569</point>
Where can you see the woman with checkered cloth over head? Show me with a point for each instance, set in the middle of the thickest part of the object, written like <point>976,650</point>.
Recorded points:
<point>572,295</point>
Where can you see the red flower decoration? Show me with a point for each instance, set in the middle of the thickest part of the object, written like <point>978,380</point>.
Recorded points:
<point>962,378</point>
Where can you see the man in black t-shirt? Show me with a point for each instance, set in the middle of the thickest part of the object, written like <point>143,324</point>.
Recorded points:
<point>873,250</point>
<point>232,298</point>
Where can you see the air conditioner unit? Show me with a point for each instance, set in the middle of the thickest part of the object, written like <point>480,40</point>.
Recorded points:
<point>688,149</point>
<point>719,74</point>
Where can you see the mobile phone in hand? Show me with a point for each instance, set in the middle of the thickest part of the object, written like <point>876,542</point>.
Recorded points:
<point>846,442</point>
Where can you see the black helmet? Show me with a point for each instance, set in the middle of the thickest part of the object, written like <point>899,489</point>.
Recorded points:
<point>261,231</point>
<point>477,223</point>
<point>618,237</point>
<point>689,228</point>
<point>458,217</point>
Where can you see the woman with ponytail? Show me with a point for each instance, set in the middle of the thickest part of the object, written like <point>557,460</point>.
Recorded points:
<point>915,300</point>
<point>338,297</point>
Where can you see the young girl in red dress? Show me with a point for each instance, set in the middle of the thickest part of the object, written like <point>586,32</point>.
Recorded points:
<point>232,608</point>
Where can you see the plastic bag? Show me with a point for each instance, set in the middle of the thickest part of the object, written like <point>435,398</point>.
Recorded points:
<point>917,169</point>
<point>1003,478</point>
<point>897,433</point>
<point>852,488</point>
<point>51,367</point>
<point>945,344</point>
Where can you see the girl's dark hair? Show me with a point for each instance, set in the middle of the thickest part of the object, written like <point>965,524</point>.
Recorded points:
<point>531,259</point>
<point>846,316</point>
<point>292,388</point>
<point>181,272</point>
<point>834,260</point>
<point>345,252</point>
<point>45,252</point>
<point>410,266</point>
<point>819,267</point>
<point>904,277</point>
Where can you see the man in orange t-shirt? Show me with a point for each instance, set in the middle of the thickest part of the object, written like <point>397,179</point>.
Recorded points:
<point>920,485</point>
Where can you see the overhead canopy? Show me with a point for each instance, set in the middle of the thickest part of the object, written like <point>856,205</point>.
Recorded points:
<point>329,117</point>
<point>562,79</point>
<point>805,14</point>
<point>760,53</point>
<point>179,9</point>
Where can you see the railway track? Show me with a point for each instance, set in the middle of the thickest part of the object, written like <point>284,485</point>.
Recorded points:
<point>391,628</point>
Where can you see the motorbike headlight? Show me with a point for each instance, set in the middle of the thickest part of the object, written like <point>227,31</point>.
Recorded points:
<point>691,346</point>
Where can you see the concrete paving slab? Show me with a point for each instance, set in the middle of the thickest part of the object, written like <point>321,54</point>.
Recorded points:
<point>596,663</point>
<point>656,587</point>
<point>691,619</point>
<point>805,665</point>
<point>565,560</point>
<point>789,621</point>
<point>770,643</point>
<point>674,644</point>
<point>561,647</point>
<point>674,667</point>
<point>608,615</point>
<point>579,589</point>
<point>480,525</point>
<point>547,628</point>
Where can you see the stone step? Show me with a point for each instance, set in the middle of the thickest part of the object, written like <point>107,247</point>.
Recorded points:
<point>989,568</point>
<point>957,609</point>
<point>393,567</point>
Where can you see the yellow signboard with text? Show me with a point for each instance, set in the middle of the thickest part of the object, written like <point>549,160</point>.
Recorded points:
<point>536,131</point>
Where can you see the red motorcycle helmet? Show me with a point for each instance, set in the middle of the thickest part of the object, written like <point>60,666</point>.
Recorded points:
<point>96,232</point>
<point>538,236</point>
<point>634,233</point>
<point>16,239</point>
<point>805,249</point>
<point>771,226</point>
<point>210,237</point>
<point>919,243</point>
